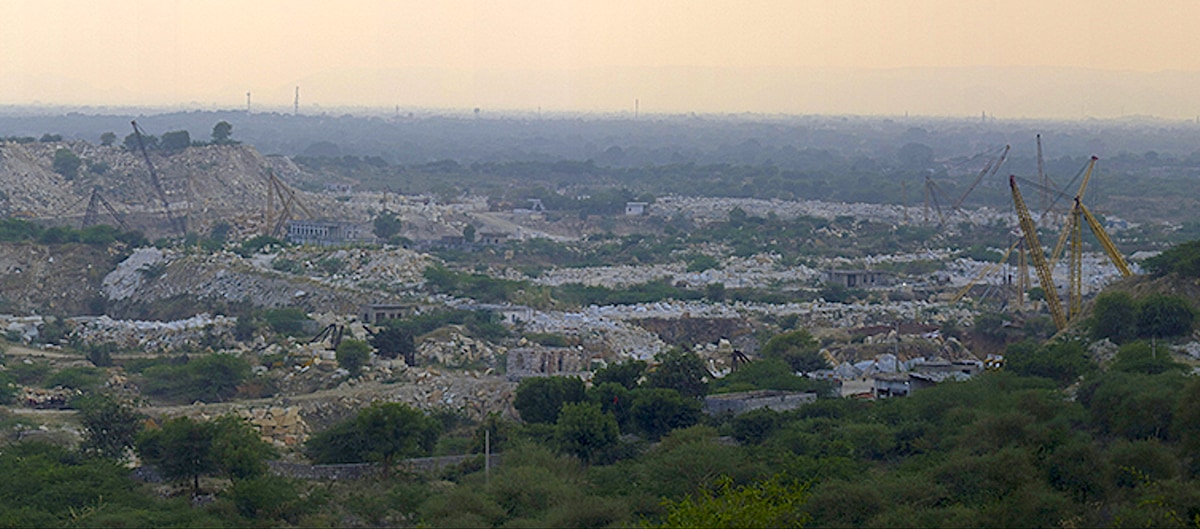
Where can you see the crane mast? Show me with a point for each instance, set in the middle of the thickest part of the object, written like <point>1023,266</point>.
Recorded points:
<point>176,224</point>
<point>1029,229</point>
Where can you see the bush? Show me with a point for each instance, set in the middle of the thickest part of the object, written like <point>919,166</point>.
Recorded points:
<point>287,321</point>
<point>66,163</point>
<point>352,355</point>
<point>382,432</point>
<point>1183,259</point>
<point>798,349</point>
<point>539,399</point>
<point>1062,362</point>
<point>658,411</point>
<point>212,378</point>
<point>583,430</point>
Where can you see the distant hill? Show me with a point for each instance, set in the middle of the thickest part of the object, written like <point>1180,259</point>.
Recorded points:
<point>206,185</point>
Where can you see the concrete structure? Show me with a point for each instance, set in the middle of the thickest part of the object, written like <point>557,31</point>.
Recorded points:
<point>493,238</point>
<point>538,361</point>
<point>742,402</point>
<point>923,375</point>
<point>859,278</point>
<point>323,232</point>
<point>635,209</point>
<point>342,189</point>
<point>510,314</point>
<point>377,313</point>
<point>891,385</point>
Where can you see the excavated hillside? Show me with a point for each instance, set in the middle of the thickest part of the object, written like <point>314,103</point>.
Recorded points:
<point>204,184</point>
<point>166,285</point>
<point>53,279</point>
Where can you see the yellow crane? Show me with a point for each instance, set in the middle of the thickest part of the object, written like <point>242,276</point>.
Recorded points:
<point>1029,230</point>
<point>987,270</point>
<point>1073,232</point>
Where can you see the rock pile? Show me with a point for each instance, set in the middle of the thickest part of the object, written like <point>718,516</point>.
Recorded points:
<point>278,425</point>
<point>154,335</point>
<point>455,349</point>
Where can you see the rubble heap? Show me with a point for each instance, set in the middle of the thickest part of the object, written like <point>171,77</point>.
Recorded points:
<point>455,349</point>
<point>278,425</point>
<point>154,335</point>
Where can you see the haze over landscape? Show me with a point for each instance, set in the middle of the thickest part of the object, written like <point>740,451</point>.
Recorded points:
<point>1012,59</point>
<point>610,263</point>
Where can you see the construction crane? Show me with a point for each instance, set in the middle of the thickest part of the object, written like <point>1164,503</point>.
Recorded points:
<point>987,270</point>
<point>176,224</point>
<point>94,204</point>
<point>1029,229</point>
<point>1071,221</point>
<point>932,191</point>
<point>989,170</point>
<point>1073,231</point>
<point>287,197</point>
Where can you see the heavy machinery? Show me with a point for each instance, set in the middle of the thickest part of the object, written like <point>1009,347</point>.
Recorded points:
<point>1045,279</point>
<point>177,224</point>
<point>93,207</point>
<point>987,270</point>
<point>276,189</point>
<point>932,190</point>
<point>1074,233</point>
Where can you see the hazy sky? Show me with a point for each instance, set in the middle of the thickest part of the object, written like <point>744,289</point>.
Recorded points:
<point>1013,58</point>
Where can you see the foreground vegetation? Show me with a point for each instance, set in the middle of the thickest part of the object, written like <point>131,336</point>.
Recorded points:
<point>1054,440</point>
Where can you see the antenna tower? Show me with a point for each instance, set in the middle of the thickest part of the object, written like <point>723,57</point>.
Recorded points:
<point>296,103</point>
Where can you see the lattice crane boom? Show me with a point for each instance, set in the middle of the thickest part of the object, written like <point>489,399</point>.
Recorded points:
<point>1029,229</point>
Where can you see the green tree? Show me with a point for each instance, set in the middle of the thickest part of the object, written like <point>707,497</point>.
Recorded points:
<point>109,426</point>
<point>656,412</point>
<point>210,378</point>
<point>1114,316</point>
<point>386,225</point>
<point>627,373</point>
<point>381,433</point>
<point>131,143</point>
<point>1141,357</point>
<point>288,320</point>
<point>175,141</point>
<point>469,233</point>
<point>238,449</point>
<point>186,449</point>
<point>585,431</point>
<point>681,371</point>
<point>1062,362</point>
<point>391,342</point>
<point>66,163</point>
<point>614,399</point>
<point>539,399</point>
<point>798,349</point>
<point>767,373</point>
<point>352,355</point>
<point>1182,259</point>
<point>221,132</point>
<point>108,138</point>
<point>1161,316</point>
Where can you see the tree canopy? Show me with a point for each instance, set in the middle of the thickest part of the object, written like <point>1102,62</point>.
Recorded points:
<point>380,433</point>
